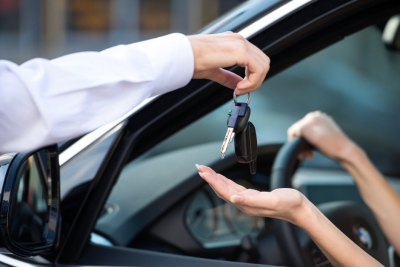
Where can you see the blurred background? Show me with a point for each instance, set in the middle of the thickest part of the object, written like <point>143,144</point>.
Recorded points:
<point>48,28</point>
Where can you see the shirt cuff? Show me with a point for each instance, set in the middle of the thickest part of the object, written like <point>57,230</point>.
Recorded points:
<point>172,61</point>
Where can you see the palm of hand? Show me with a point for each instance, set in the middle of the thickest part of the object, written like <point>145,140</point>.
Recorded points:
<point>283,203</point>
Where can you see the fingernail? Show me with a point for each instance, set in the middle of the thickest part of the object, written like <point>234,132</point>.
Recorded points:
<point>236,199</point>
<point>197,166</point>
<point>200,174</point>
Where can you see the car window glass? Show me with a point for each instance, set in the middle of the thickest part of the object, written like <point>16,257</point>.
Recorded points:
<point>84,166</point>
<point>356,81</point>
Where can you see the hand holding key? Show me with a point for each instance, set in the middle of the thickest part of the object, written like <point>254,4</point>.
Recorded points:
<point>214,52</point>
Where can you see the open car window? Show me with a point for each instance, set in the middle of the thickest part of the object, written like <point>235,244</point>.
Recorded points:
<point>356,81</point>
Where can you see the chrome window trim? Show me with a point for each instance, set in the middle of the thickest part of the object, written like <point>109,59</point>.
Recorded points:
<point>392,255</point>
<point>389,33</point>
<point>247,32</point>
<point>272,17</point>
<point>19,263</point>
<point>100,240</point>
<point>92,137</point>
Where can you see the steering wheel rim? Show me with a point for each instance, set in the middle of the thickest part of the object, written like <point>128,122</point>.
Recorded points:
<point>284,166</point>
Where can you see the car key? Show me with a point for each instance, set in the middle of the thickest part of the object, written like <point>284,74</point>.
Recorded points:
<point>246,147</point>
<point>237,121</point>
<point>238,117</point>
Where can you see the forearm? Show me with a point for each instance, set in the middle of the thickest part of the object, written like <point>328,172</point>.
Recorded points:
<point>336,246</point>
<point>48,101</point>
<point>290,205</point>
<point>376,192</point>
<point>322,132</point>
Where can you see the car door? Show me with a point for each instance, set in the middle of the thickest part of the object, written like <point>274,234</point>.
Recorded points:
<point>288,33</point>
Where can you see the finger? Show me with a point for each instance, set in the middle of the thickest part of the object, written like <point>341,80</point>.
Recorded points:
<point>257,66</point>
<point>239,91</point>
<point>219,184</point>
<point>203,168</point>
<point>294,130</point>
<point>226,180</point>
<point>297,128</point>
<point>222,189</point>
<point>255,74</point>
<point>251,211</point>
<point>225,78</point>
<point>231,183</point>
<point>238,198</point>
<point>253,79</point>
<point>221,196</point>
<point>261,203</point>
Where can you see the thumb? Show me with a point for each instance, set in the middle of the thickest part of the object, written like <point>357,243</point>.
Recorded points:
<point>236,199</point>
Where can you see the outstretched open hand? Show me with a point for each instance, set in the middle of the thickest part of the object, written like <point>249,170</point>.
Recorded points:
<point>283,203</point>
<point>290,205</point>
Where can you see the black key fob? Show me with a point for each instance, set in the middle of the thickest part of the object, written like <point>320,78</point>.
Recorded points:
<point>242,119</point>
<point>246,147</point>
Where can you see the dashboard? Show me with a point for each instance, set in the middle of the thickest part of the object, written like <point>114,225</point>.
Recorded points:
<point>170,208</point>
<point>215,223</point>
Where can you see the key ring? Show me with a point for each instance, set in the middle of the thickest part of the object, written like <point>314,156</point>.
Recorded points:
<point>248,98</point>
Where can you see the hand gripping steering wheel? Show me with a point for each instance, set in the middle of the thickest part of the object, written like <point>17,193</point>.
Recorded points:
<point>353,219</point>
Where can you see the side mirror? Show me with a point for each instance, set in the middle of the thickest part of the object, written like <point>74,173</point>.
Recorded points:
<point>30,201</point>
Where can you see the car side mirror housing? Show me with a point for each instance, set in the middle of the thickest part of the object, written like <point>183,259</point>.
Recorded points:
<point>391,33</point>
<point>30,201</point>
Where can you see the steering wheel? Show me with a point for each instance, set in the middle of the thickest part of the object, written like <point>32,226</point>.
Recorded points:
<point>353,219</point>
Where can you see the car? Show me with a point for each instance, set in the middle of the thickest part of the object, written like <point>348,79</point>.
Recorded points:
<point>130,194</point>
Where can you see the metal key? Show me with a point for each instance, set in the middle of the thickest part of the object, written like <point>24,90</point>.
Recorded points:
<point>237,122</point>
<point>246,147</point>
<point>239,115</point>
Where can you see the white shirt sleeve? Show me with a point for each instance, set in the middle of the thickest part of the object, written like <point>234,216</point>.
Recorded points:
<point>48,101</point>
